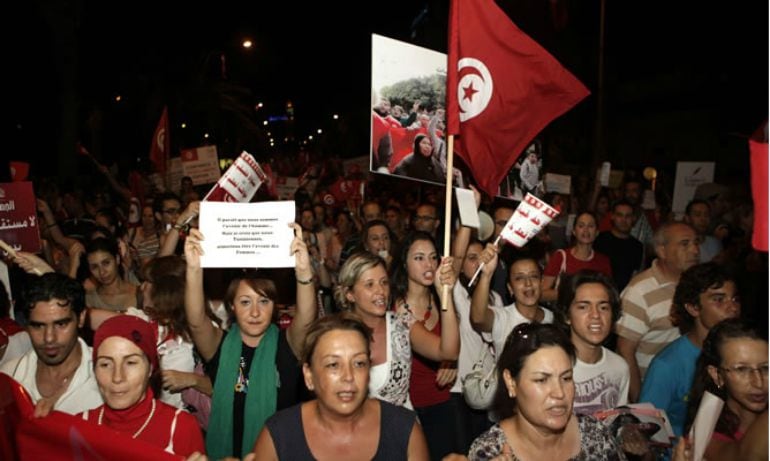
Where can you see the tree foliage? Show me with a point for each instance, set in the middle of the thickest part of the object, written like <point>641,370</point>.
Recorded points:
<point>430,91</point>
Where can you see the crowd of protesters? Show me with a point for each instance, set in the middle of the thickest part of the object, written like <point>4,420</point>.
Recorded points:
<point>361,351</point>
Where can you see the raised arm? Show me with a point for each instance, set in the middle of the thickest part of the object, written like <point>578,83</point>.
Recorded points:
<point>482,317</point>
<point>306,301</point>
<point>447,346</point>
<point>204,334</point>
<point>169,240</point>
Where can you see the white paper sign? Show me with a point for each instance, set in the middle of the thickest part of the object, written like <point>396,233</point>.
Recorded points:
<point>689,175</point>
<point>247,234</point>
<point>705,421</point>
<point>604,174</point>
<point>559,183</point>
<point>466,203</point>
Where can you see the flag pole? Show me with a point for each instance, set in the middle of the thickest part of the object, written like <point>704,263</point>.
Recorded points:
<point>448,210</point>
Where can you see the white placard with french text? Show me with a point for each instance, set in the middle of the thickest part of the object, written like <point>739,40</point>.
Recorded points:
<point>247,234</point>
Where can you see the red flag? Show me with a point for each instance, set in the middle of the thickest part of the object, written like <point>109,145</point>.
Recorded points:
<point>160,147</point>
<point>502,89</point>
<point>19,170</point>
<point>759,192</point>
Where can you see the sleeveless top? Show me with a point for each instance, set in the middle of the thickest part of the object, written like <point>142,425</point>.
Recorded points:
<point>290,443</point>
<point>389,381</point>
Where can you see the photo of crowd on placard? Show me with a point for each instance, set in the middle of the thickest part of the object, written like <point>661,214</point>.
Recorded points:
<point>408,116</point>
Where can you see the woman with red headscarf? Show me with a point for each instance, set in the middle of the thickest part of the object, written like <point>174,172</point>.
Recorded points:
<point>125,363</point>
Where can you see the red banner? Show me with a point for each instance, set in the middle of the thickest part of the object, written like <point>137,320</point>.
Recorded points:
<point>759,192</point>
<point>502,89</point>
<point>19,171</point>
<point>18,217</point>
<point>60,436</point>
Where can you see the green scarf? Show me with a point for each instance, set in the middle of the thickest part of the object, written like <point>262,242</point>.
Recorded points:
<point>261,398</point>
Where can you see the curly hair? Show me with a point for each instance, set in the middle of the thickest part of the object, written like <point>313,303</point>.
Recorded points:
<point>692,283</point>
<point>59,286</point>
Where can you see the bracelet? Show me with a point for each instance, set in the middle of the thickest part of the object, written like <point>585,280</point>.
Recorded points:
<point>305,282</point>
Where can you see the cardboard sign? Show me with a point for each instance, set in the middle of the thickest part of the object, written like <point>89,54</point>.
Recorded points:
<point>201,164</point>
<point>689,175</point>
<point>18,217</point>
<point>286,186</point>
<point>559,183</point>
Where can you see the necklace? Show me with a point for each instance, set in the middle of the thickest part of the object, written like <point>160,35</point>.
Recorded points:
<point>136,434</point>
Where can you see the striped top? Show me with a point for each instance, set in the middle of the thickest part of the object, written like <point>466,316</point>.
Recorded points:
<point>646,306</point>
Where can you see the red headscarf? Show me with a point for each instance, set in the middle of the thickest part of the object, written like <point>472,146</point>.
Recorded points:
<point>133,329</point>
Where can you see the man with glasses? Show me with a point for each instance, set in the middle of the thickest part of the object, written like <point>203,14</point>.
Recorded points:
<point>706,295</point>
<point>168,210</point>
<point>426,219</point>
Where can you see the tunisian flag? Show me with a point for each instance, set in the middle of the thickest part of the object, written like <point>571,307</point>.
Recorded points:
<point>160,146</point>
<point>502,89</point>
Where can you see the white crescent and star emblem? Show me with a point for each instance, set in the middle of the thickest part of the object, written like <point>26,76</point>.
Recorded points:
<point>160,140</point>
<point>474,88</point>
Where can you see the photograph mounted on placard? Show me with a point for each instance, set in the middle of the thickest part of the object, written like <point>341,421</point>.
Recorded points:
<point>408,118</point>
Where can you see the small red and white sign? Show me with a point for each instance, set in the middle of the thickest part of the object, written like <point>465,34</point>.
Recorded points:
<point>240,182</point>
<point>530,217</point>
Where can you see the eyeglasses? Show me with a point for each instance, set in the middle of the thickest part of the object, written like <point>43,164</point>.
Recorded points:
<point>744,372</point>
<point>171,211</point>
<point>424,218</point>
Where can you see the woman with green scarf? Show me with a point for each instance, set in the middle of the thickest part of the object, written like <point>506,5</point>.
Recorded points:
<point>253,366</point>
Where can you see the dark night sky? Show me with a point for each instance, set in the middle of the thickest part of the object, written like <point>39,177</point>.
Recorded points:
<point>671,69</point>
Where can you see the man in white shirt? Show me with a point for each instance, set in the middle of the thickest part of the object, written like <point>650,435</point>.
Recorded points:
<point>58,371</point>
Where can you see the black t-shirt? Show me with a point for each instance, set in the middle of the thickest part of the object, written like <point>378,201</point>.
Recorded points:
<point>291,385</point>
<point>625,256</point>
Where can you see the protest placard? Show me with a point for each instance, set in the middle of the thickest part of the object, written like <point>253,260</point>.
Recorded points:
<point>201,164</point>
<point>18,217</point>
<point>247,234</point>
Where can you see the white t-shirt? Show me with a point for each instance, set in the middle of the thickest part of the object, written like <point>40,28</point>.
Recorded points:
<point>506,319</point>
<point>82,393</point>
<point>470,340</point>
<point>601,385</point>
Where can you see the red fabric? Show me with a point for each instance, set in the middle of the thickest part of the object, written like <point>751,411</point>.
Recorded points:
<point>187,434</point>
<point>60,436</point>
<point>403,143</point>
<point>19,170</point>
<point>423,390</point>
<point>759,193</point>
<point>10,326</point>
<point>508,89</point>
<point>132,328</point>
<point>160,146</point>
<point>599,263</point>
